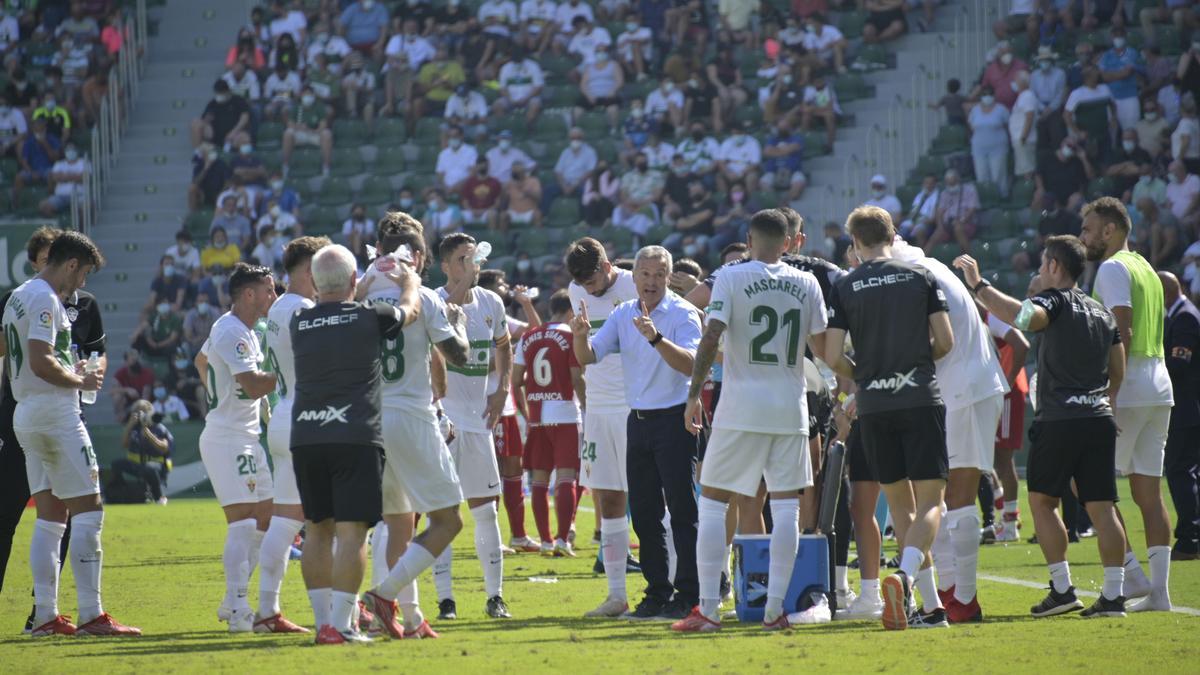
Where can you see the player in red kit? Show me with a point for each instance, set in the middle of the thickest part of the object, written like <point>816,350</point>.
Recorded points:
<point>549,378</point>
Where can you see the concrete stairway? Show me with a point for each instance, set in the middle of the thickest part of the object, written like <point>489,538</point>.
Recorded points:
<point>147,197</point>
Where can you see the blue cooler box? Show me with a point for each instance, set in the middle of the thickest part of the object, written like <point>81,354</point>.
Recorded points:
<point>751,562</point>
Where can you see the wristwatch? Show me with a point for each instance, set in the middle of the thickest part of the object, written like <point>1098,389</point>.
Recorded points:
<point>983,283</point>
<point>656,339</point>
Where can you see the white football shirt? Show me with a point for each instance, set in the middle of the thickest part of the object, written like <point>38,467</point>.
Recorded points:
<point>35,312</point>
<point>279,357</point>
<point>769,312</point>
<point>232,349</point>
<point>466,386</point>
<point>406,381</point>
<point>605,380</point>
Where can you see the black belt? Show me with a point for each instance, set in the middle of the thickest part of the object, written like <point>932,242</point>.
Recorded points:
<point>658,412</point>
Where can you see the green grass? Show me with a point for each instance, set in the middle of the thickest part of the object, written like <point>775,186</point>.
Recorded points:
<point>163,573</point>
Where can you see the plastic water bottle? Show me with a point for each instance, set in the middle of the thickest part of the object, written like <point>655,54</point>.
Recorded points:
<point>92,366</point>
<point>532,293</point>
<point>482,251</point>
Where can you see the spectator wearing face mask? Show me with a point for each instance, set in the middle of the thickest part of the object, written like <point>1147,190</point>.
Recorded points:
<point>220,251</point>
<point>197,323</point>
<point>134,381</point>
<point>1048,83</point>
<point>1092,90</point>
<point>1120,68</point>
<point>184,380</point>
<point>1152,129</point>
<point>310,125</point>
<point>358,230</point>
<point>999,75</point>
<point>739,159</point>
<point>269,250</point>
<point>167,404</point>
<point>523,271</point>
<point>954,218</point>
<point>1023,128</point>
<point>920,218</point>
<point>286,226</point>
<point>820,101</point>
<point>225,114</point>
<point>1148,187</point>
<point>233,224</point>
<point>783,161</point>
<point>574,165</point>
<point>160,333</point>
<point>732,221</point>
<point>66,180</point>
<point>694,226</point>
<point>1185,140</point>
<point>600,190</point>
<point>281,92</point>
<point>480,197</point>
<point>1127,163</point>
<point>637,201</point>
<point>786,97</point>
<point>1065,174</point>
<point>521,196</point>
<point>209,174</point>
<point>699,152</point>
<point>248,167</point>
<point>636,129</point>
<point>600,87</point>
<point>440,218</point>
<point>358,89</point>
<point>665,104</point>
<point>456,161</point>
<point>989,141</point>
<point>1183,194</point>
<point>468,109</point>
<point>658,152</point>
<point>170,286</point>
<point>521,81</point>
<point>883,198</point>
<point>635,46</point>
<point>504,155</point>
<point>185,255</point>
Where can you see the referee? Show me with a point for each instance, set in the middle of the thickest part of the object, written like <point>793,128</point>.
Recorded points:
<point>1081,363</point>
<point>87,331</point>
<point>656,335</point>
<point>337,438</point>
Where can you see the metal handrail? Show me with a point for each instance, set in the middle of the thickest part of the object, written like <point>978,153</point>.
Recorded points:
<point>124,80</point>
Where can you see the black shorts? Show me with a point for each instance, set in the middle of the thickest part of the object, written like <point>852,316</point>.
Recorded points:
<point>881,20</point>
<point>1083,449</point>
<point>343,482</point>
<point>907,444</point>
<point>601,102</point>
<point>856,457</point>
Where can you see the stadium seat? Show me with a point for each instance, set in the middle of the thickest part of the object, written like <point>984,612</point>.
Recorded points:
<point>950,138</point>
<point>26,205</point>
<point>323,220</point>
<point>514,122</point>
<point>376,191</point>
<point>872,56</point>
<point>347,162</point>
<point>390,131</point>
<point>815,144</point>
<point>198,223</point>
<point>559,96</point>
<point>1102,186</point>
<point>906,193</point>
<point>429,130</point>
<point>594,124</point>
<point>851,24</point>
<point>852,87</point>
<point>349,133</point>
<point>270,135</point>
<point>989,195</point>
<point>8,169</point>
<point>563,211</point>
<point>334,192</point>
<point>551,127</point>
<point>1167,37</point>
<point>930,164</point>
<point>1022,194</point>
<point>306,163</point>
<point>388,162</point>
<point>533,240</point>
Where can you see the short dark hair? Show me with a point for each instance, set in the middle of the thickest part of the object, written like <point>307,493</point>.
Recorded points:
<point>771,222</point>
<point>41,238</point>
<point>301,250</point>
<point>560,302</point>
<point>871,225</point>
<point>1110,210</point>
<point>491,279</point>
<point>72,245</point>
<point>221,86</point>
<point>243,276</point>
<point>735,247</point>
<point>953,85</point>
<point>398,229</point>
<point>795,221</point>
<point>1068,251</point>
<point>584,257</point>
<point>624,264</point>
<point>688,266</point>
<point>451,242</point>
<point>183,235</point>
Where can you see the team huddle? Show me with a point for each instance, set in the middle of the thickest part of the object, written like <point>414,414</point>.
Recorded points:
<point>393,403</point>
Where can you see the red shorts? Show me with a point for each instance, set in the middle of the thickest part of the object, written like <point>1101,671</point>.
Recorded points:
<point>553,446</point>
<point>507,434</point>
<point>1010,435</point>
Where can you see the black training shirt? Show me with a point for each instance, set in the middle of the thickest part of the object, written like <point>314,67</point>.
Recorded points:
<point>885,306</point>
<point>336,347</point>
<point>1073,356</point>
<point>826,272</point>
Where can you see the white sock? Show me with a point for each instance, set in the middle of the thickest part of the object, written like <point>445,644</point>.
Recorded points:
<point>416,559</point>
<point>86,561</point>
<point>868,588</point>
<point>1133,568</point>
<point>442,577</point>
<point>614,544</point>
<point>710,544</point>
<point>1160,566</point>
<point>379,565</point>
<point>342,609</point>
<point>321,601</point>
<point>942,551</point>
<point>239,538</point>
<point>927,586</point>
<point>964,534</point>
<point>1010,507</point>
<point>911,560</point>
<point>1114,581</point>
<point>841,575</point>
<point>43,559</point>
<point>487,547</point>
<point>410,606</point>
<point>672,557</point>
<point>273,556</point>
<point>728,559</point>
<point>255,547</point>
<point>785,541</point>
<point>1060,576</point>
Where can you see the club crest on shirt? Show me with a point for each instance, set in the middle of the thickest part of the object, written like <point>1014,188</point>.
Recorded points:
<point>488,321</point>
<point>251,484</point>
<point>72,314</point>
<point>44,318</point>
<point>242,349</point>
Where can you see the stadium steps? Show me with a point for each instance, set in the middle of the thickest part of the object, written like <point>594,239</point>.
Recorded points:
<point>830,196</point>
<point>147,195</point>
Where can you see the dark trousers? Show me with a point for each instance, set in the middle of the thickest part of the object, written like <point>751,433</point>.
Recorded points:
<point>661,459</point>
<point>149,474</point>
<point>987,500</point>
<point>1182,467</point>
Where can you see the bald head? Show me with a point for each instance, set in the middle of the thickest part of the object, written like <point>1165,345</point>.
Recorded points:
<point>1171,288</point>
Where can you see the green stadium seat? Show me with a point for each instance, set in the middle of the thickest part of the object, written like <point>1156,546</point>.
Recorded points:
<point>594,124</point>
<point>388,162</point>
<point>322,221</point>
<point>851,24</point>
<point>852,87</point>
<point>514,122</point>
<point>1168,38</point>
<point>26,206</point>
<point>551,128</point>
<point>950,138</point>
<point>349,133</point>
<point>815,144</point>
<point>390,131</point>
<point>905,193</point>
<point>376,191</point>
<point>1022,194</point>
<point>930,164</point>
<point>749,113</point>
<point>429,130</point>
<point>197,223</point>
<point>946,252</point>
<point>270,135</point>
<point>559,96</point>
<point>563,211</point>
<point>8,169</point>
<point>556,67</point>
<point>989,195</point>
<point>334,192</point>
<point>533,240</point>
<point>658,233</point>
<point>306,163</point>
<point>1102,186</point>
<point>347,162</point>
<point>872,55</point>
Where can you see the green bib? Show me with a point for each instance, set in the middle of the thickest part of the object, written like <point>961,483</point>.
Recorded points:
<point>1146,294</point>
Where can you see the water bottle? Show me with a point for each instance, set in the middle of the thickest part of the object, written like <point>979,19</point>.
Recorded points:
<point>531,293</point>
<point>92,366</point>
<point>482,251</point>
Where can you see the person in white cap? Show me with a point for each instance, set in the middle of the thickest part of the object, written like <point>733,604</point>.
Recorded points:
<point>883,198</point>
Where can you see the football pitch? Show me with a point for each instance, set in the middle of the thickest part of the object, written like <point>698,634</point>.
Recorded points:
<point>163,573</point>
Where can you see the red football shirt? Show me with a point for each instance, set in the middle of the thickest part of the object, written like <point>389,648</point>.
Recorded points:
<point>548,356</point>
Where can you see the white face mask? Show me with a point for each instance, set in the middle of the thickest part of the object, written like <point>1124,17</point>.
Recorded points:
<point>368,4</point>
<point>455,143</point>
<point>246,149</point>
<point>690,250</point>
<point>1128,145</point>
<point>1045,65</point>
<point>72,155</point>
<point>168,270</point>
<point>308,99</point>
<point>1151,115</point>
<point>524,265</point>
<point>505,144</point>
<point>1118,43</point>
<point>221,98</point>
<point>202,307</point>
<point>987,99</point>
<point>637,112</point>
<point>277,185</point>
<point>163,307</point>
<point>1067,151</point>
<point>878,194</point>
<point>1006,58</point>
<point>576,144</point>
<point>275,211</point>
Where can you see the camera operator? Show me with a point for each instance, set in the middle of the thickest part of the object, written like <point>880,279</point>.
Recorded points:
<point>148,445</point>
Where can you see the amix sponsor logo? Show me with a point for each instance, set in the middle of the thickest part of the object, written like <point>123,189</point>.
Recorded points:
<point>323,321</point>
<point>884,280</point>
<point>894,383</point>
<point>1090,400</point>
<point>329,414</point>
